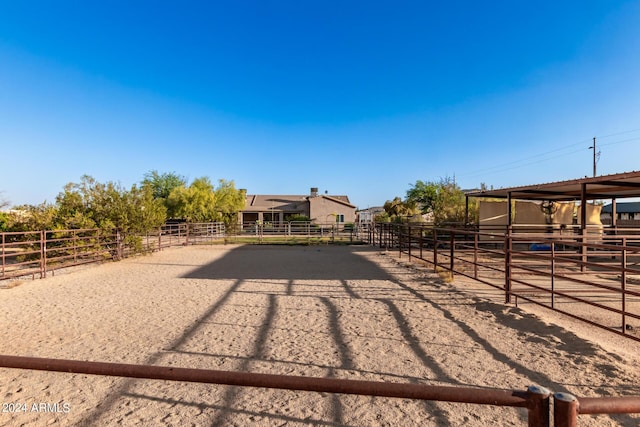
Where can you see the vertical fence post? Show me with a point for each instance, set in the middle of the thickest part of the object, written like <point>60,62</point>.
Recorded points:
<point>387,236</point>
<point>452,242</point>
<point>372,231</point>
<point>475,255</point>
<point>3,253</point>
<point>421,229</point>
<point>553,273</point>
<point>565,410</point>
<point>409,240</point>
<point>623,284</point>
<point>43,254</point>
<point>538,399</point>
<point>75,246</point>
<point>507,266</point>
<point>583,248</point>
<point>435,250</point>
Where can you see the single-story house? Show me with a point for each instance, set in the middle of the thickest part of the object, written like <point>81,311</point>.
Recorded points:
<point>277,209</point>
<point>626,211</point>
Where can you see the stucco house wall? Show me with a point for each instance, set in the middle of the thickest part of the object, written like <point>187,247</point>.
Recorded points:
<point>325,209</point>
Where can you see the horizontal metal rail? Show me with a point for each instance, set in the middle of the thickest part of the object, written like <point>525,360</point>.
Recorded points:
<point>39,253</point>
<point>567,407</point>
<point>535,399</point>
<point>452,249</point>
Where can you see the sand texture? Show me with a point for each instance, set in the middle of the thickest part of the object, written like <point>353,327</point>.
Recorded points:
<point>324,311</point>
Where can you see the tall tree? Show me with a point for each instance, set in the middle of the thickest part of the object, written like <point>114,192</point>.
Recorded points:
<point>90,204</point>
<point>229,201</point>
<point>443,200</point>
<point>31,218</point>
<point>398,210</point>
<point>162,184</point>
<point>195,203</point>
<point>424,195</point>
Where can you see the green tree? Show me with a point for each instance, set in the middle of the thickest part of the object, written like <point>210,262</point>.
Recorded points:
<point>195,203</point>
<point>32,218</point>
<point>201,202</point>
<point>398,210</point>
<point>229,201</point>
<point>449,207</point>
<point>444,200</point>
<point>140,210</point>
<point>162,184</point>
<point>424,195</point>
<point>90,204</point>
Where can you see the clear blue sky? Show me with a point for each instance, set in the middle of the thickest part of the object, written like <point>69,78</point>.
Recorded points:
<point>356,98</point>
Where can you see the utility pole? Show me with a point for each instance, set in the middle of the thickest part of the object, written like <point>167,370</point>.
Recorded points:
<point>594,155</point>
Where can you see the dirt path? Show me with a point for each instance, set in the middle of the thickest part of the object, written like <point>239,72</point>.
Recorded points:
<point>327,311</point>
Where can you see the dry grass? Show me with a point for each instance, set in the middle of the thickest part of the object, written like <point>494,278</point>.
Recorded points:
<point>444,274</point>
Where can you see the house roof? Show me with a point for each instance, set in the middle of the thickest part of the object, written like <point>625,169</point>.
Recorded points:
<point>343,200</point>
<point>627,207</point>
<point>616,186</point>
<point>279,202</point>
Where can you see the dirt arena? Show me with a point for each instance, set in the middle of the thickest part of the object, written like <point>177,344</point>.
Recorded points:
<point>325,311</point>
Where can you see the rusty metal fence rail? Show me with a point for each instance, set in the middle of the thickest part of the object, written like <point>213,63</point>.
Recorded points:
<point>597,273</point>
<point>567,408</point>
<point>294,230</point>
<point>563,272</point>
<point>39,253</point>
<point>535,399</point>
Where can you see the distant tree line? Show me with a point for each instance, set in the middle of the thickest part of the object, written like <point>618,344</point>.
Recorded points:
<point>143,207</point>
<point>439,202</point>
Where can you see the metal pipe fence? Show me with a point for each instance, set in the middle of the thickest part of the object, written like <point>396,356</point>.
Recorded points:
<point>566,273</point>
<point>296,230</point>
<point>592,277</point>
<point>39,253</point>
<point>567,407</point>
<point>535,399</point>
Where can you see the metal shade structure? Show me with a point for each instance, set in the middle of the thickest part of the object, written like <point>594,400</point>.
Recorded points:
<point>616,186</point>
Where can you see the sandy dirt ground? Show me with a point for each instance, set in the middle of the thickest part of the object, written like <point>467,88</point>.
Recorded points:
<point>324,311</point>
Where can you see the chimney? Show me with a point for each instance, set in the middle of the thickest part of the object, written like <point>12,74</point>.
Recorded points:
<point>314,191</point>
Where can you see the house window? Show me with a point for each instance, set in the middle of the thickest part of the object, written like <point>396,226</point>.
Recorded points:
<point>339,218</point>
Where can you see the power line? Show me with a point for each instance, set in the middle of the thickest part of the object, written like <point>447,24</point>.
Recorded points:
<point>547,155</point>
<point>618,133</point>
<point>504,169</point>
<point>619,142</point>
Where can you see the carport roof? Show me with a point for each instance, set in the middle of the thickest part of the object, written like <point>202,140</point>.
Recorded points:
<point>616,186</point>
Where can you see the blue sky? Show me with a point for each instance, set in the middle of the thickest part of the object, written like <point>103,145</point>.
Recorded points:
<point>356,98</point>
